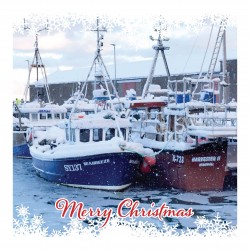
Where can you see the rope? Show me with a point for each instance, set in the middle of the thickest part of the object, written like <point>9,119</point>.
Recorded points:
<point>200,73</point>
<point>154,154</point>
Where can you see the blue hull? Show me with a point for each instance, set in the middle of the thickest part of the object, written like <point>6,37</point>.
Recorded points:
<point>21,151</point>
<point>20,146</point>
<point>113,171</point>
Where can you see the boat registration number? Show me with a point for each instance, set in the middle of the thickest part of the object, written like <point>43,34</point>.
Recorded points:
<point>72,167</point>
<point>178,158</point>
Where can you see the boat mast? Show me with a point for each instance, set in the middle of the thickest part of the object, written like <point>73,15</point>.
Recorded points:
<point>37,64</point>
<point>99,57</point>
<point>98,60</point>
<point>158,47</point>
<point>225,79</point>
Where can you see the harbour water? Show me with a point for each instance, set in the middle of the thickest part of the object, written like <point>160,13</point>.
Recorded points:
<point>40,196</point>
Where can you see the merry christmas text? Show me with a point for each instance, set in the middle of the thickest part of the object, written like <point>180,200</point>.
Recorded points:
<point>127,208</point>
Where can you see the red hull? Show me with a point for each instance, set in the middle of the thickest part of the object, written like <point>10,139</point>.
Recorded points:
<point>199,169</point>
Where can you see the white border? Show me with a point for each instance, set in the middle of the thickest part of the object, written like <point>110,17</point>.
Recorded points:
<point>11,9</point>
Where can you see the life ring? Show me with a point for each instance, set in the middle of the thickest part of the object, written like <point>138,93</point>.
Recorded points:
<point>147,163</point>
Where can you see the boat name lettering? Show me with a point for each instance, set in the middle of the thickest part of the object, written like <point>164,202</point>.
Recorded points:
<point>73,167</point>
<point>44,111</point>
<point>178,158</point>
<point>87,163</point>
<point>134,161</point>
<point>206,164</point>
<point>206,158</point>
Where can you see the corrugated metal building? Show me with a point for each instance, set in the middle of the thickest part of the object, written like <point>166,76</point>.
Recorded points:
<point>62,90</point>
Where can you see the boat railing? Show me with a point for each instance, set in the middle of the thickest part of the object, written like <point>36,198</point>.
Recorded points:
<point>215,120</point>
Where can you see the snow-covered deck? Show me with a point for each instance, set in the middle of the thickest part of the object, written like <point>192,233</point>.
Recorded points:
<point>212,132</point>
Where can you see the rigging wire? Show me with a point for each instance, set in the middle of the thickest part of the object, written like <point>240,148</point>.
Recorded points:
<point>200,73</point>
<point>196,39</point>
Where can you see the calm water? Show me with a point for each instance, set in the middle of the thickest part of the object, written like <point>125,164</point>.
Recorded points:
<point>40,196</point>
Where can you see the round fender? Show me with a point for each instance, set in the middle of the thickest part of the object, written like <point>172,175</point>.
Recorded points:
<point>147,163</point>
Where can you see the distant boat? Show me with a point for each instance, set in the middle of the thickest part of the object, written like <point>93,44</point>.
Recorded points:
<point>20,146</point>
<point>83,105</point>
<point>208,88</point>
<point>36,115</point>
<point>41,112</point>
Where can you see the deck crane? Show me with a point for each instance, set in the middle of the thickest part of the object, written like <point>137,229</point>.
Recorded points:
<point>37,63</point>
<point>158,47</point>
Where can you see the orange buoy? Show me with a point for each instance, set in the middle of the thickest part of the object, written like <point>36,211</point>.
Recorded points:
<point>147,163</point>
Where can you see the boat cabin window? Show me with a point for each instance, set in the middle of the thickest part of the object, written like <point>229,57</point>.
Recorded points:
<point>42,116</point>
<point>153,113</point>
<point>89,112</point>
<point>84,135</point>
<point>34,117</point>
<point>110,133</point>
<point>57,116</point>
<point>49,116</point>
<point>123,130</point>
<point>97,134</point>
<point>25,115</point>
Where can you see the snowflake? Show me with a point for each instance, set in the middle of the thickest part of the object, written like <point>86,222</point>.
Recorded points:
<point>201,221</point>
<point>22,211</point>
<point>26,226</point>
<point>93,227</point>
<point>37,221</point>
<point>128,24</point>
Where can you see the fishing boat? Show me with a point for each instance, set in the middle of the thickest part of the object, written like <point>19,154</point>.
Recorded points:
<point>88,153</point>
<point>92,151</point>
<point>40,113</point>
<point>33,114</point>
<point>210,89</point>
<point>189,141</point>
<point>83,104</point>
<point>20,146</point>
<point>189,137</point>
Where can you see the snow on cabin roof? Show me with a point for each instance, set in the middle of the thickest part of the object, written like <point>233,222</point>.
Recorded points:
<point>212,132</point>
<point>89,122</point>
<point>35,107</point>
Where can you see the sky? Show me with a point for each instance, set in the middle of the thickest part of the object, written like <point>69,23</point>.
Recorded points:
<point>68,46</point>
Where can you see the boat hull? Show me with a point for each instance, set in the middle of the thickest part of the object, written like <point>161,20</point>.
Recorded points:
<point>20,146</point>
<point>201,168</point>
<point>111,171</point>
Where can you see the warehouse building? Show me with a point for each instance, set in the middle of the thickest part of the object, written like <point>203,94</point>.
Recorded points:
<point>61,87</point>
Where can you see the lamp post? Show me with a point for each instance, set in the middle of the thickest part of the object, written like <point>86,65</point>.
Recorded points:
<point>114,64</point>
<point>28,61</point>
<point>26,89</point>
